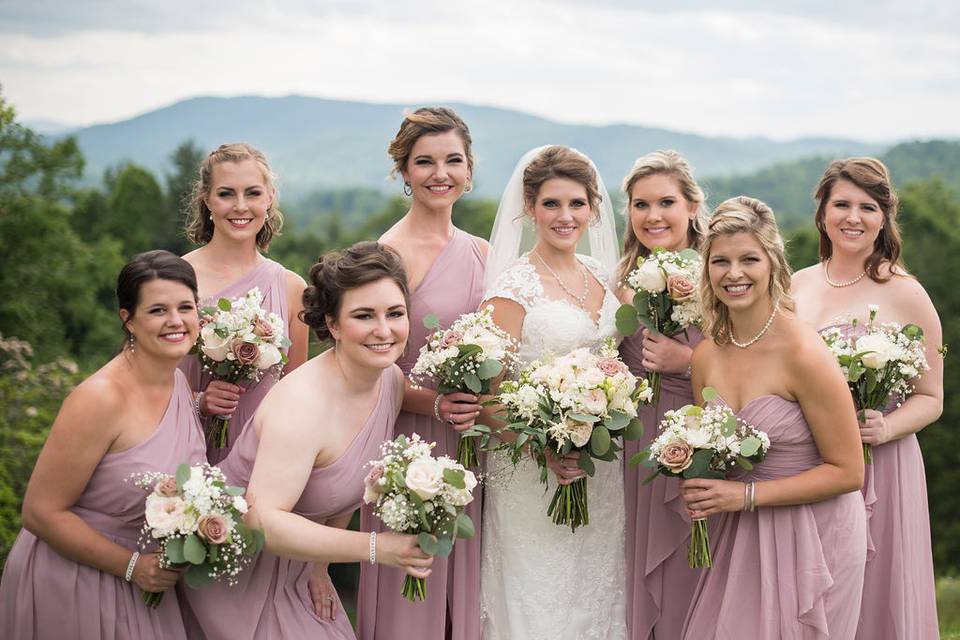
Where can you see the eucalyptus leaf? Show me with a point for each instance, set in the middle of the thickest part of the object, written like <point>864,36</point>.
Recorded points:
<point>729,426</point>
<point>183,474</point>
<point>617,420</point>
<point>235,491</point>
<point>427,543</point>
<point>583,417</point>
<point>444,546</point>
<point>465,527</point>
<point>585,462</point>
<point>600,440</point>
<point>709,394</point>
<point>224,304</point>
<point>750,446</point>
<point>454,477</point>
<point>489,368</point>
<point>175,551</point>
<point>473,382</point>
<point>744,463</point>
<point>197,577</point>
<point>430,321</point>
<point>634,430</point>
<point>701,462</point>
<point>641,302</point>
<point>193,550</point>
<point>627,320</point>
<point>639,458</point>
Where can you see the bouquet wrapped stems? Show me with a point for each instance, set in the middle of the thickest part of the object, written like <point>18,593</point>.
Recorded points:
<point>414,589</point>
<point>467,452</point>
<point>152,598</point>
<point>569,505</point>
<point>217,429</point>
<point>699,556</point>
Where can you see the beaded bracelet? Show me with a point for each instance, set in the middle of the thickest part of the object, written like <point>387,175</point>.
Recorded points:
<point>197,401</point>
<point>373,547</point>
<point>436,407</point>
<point>128,576</point>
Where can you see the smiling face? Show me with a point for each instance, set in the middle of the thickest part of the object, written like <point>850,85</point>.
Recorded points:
<point>437,171</point>
<point>659,214</point>
<point>739,270</point>
<point>165,323</point>
<point>372,325</point>
<point>239,199</point>
<point>852,219</point>
<point>561,213</point>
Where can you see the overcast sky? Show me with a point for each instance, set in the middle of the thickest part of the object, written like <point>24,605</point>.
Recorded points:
<point>867,69</point>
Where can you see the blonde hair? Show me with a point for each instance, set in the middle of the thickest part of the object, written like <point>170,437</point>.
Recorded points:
<point>662,162</point>
<point>199,225</point>
<point>743,215</point>
<point>873,177</point>
<point>424,121</point>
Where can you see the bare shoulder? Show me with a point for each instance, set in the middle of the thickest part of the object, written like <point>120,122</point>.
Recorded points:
<point>805,276</point>
<point>705,350</point>
<point>95,407</point>
<point>295,283</point>
<point>808,353</point>
<point>193,257</point>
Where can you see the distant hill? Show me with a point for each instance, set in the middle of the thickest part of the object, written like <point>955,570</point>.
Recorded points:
<point>788,186</point>
<point>317,144</point>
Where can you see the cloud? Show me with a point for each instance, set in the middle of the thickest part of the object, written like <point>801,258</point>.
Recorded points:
<point>741,71</point>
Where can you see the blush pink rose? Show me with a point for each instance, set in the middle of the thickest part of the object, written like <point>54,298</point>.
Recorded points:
<point>263,329</point>
<point>611,366</point>
<point>371,486</point>
<point>245,352</point>
<point>679,288</point>
<point>451,338</point>
<point>676,456</point>
<point>213,529</point>
<point>166,487</point>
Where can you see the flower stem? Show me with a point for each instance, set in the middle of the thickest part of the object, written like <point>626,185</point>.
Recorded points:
<point>151,599</point>
<point>217,432</point>
<point>569,505</point>
<point>414,589</point>
<point>699,555</point>
<point>467,453</point>
<point>867,454</point>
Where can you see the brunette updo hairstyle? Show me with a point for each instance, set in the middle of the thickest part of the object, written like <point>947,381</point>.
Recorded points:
<point>147,267</point>
<point>561,162</point>
<point>743,214</point>
<point>424,121</point>
<point>199,226</point>
<point>662,162</point>
<point>337,272</point>
<point>872,176</point>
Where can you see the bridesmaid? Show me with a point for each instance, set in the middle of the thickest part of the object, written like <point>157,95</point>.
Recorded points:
<point>860,265</point>
<point>431,151</point>
<point>234,215</point>
<point>790,542</point>
<point>304,455</point>
<point>74,569</point>
<point>664,207</point>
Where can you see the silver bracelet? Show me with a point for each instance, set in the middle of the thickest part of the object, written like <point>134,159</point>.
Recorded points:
<point>197,401</point>
<point>753,496</point>
<point>128,576</point>
<point>746,496</point>
<point>373,547</point>
<point>436,407</point>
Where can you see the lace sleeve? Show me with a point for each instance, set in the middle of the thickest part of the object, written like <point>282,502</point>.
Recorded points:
<point>519,283</point>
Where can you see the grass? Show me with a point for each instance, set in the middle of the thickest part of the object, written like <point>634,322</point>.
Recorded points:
<point>948,608</point>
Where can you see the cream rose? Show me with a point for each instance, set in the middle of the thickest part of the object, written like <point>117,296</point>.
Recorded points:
<point>580,432</point>
<point>214,347</point>
<point>269,356</point>
<point>676,456</point>
<point>879,348</point>
<point>649,277</point>
<point>680,288</point>
<point>595,402</point>
<point>424,477</point>
<point>166,488</point>
<point>371,485</point>
<point>163,515</point>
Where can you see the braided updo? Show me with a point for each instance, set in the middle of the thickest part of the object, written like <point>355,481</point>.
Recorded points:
<point>337,272</point>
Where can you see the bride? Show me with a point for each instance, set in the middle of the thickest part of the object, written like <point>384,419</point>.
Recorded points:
<point>539,580</point>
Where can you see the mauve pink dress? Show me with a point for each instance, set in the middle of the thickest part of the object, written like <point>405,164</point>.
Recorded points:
<point>271,600</point>
<point>453,286</point>
<point>660,582</point>
<point>44,595</point>
<point>793,573</point>
<point>271,279</point>
<point>899,591</point>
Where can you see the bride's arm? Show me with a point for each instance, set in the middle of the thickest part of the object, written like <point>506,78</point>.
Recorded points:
<point>508,315</point>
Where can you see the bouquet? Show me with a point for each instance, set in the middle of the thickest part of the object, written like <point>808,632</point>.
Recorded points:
<point>239,342</point>
<point>880,363</point>
<point>465,358</point>
<point>697,442</point>
<point>667,300</point>
<point>415,493</point>
<point>581,402</point>
<point>198,522</point>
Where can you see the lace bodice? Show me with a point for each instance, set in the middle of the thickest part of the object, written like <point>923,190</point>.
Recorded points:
<point>554,326</point>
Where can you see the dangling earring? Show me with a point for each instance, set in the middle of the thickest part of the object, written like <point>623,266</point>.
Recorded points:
<point>130,341</point>
<point>468,188</point>
<point>407,189</point>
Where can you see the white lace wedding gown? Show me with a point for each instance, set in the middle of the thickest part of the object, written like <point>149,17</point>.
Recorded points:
<point>540,581</point>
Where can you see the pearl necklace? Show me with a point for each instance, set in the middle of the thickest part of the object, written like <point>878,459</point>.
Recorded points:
<point>744,345</point>
<point>581,299</point>
<point>840,285</point>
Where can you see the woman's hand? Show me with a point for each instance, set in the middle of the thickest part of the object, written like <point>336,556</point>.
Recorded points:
<point>403,551</point>
<point>149,576</point>
<point>663,354</point>
<point>873,428</point>
<point>322,592</point>
<point>220,398</point>
<point>565,467</point>
<point>459,410</point>
<point>705,497</point>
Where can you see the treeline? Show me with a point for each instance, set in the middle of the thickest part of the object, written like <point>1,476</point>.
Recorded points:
<point>62,245</point>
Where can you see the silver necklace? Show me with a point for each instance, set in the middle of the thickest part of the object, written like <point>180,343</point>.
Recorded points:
<point>840,285</point>
<point>581,299</point>
<point>744,345</point>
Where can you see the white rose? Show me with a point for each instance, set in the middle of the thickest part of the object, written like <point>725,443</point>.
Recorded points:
<point>163,515</point>
<point>424,477</point>
<point>489,343</point>
<point>269,356</point>
<point>697,438</point>
<point>649,277</point>
<point>215,347</point>
<point>240,504</point>
<point>595,402</point>
<point>592,377</point>
<point>580,432</point>
<point>879,348</point>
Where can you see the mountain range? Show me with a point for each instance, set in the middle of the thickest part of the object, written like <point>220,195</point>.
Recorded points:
<point>319,144</point>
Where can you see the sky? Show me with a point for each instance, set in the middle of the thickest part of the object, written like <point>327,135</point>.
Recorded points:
<point>872,70</point>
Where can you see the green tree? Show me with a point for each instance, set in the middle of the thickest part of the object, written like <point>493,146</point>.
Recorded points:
<point>185,161</point>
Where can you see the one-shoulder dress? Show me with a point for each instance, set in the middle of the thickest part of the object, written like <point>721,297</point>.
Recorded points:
<point>44,595</point>
<point>270,277</point>
<point>452,287</point>
<point>271,600</point>
<point>793,572</point>
<point>660,582</point>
